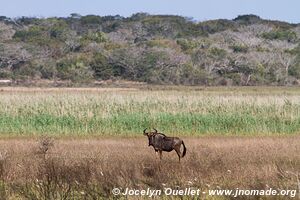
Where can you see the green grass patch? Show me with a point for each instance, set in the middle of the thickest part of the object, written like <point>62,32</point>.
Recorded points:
<point>133,124</point>
<point>128,113</point>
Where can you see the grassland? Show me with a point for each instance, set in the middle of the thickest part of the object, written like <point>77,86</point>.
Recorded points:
<point>186,111</point>
<point>91,168</point>
<point>249,140</point>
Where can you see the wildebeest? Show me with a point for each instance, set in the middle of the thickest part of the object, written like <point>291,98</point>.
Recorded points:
<point>161,142</point>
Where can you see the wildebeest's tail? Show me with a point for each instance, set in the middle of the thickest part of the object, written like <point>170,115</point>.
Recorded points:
<point>184,150</point>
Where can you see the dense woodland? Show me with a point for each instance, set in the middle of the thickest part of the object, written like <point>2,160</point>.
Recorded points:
<point>154,49</point>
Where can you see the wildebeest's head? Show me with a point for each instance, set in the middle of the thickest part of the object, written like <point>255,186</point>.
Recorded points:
<point>150,135</point>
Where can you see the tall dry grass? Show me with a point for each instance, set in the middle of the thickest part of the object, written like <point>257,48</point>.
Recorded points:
<point>91,168</point>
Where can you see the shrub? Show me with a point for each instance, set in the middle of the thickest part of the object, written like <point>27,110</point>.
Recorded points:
<point>27,71</point>
<point>102,69</point>
<point>288,35</point>
<point>294,70</point>
<point>57,30</point>
<point>214,26</point>
<point>186,44</point>
<point>239,48</point>
<point>35,35</point>
<point>31,33</point>
<point>47,70</point>
<point>90,19</point>
<point>247,19</point>
<point>74,69</point>
<point>97,37</point>
<point>5,74</point>
<point>217,52</point>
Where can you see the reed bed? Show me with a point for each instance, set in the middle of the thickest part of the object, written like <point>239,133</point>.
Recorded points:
<point>114,111</point>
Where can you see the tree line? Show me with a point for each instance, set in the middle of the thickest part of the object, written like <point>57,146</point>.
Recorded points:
<point>156,49</point>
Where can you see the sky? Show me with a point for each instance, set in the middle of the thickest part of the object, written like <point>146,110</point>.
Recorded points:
<point>283,10</point>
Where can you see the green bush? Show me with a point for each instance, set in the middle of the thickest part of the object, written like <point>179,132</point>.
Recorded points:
<point>47,70</point>
<point>101,67</point>
<point>90,19</point>
<point>27,71</point>
<point>193,75</point>
<point>75,69</point>
<point>235,77</point>
<point>5,74</point>
<point>30,34</point>
<point>171,26</point>
<point>186,45</point>
<point>98,37</point>
<point>288,35</point>
<point>247,19</point>
<point>58,29</point>
<point>214,26</point>
<point>294,70</point>
<point>35,35</point>
<point>217,52</point>
<point>239,48</point>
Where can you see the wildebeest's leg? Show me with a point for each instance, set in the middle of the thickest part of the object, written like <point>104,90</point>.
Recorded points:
<point>178,153</point>
<point>156,152</point>
<point>160,154</point>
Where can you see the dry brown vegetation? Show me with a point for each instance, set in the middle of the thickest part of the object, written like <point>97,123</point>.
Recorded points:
<point>90,168</point>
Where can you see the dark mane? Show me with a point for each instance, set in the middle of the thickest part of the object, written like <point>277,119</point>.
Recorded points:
<point>160,134</point>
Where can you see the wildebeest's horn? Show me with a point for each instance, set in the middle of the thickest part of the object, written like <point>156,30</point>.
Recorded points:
<point>155,130</point>
<point>145,131</point>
